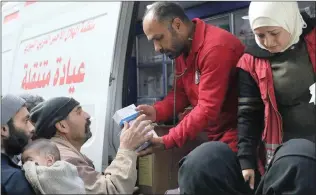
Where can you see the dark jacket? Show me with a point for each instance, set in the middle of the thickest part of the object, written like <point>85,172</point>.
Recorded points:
<point>13,181</point>
<point>259,121</point>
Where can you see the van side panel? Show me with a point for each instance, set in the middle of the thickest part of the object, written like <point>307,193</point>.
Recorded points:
<point>69,52</point>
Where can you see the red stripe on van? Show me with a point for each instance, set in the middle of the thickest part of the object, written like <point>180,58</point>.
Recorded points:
<point>10,17</point>
<point>27,3</point>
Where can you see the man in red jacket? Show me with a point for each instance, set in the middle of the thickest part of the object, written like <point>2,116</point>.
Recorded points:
<point>206,58</point>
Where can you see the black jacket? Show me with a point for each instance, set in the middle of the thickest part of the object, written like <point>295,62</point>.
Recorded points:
<point>13,181</point>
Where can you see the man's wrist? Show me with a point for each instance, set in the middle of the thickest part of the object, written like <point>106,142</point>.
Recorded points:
<point>160,140</point>
<point>126,148</point>
<point>161,144</point>
<point>168,142</point>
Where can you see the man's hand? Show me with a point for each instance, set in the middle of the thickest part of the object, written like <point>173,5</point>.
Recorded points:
<point>148,110</point>
<point>136,134</point>
<point>156,145</point>
<point>249,175</point>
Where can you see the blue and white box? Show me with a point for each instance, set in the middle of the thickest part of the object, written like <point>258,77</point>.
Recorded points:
<point>129,114</point>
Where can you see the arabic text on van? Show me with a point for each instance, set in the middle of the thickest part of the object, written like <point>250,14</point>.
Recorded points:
<point>45,73</point>
<point>68,74</point>
<point>62,35</point>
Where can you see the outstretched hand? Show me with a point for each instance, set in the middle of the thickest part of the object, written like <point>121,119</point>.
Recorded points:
<point>156,145</point>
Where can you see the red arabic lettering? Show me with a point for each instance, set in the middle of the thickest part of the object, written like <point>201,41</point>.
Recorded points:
<point>56,77</point>
<point>45,62</point>
<point>65,34</point>
<point>62,79</point>
<point>30,46</point>
<point>29,74</point>
<point>87,27</point>
<point>71,90</point>
<point>72,32</point>
<point>62,34</point>
<point>54,39</point>
<point>37,80</point>
<point>58,60</point>
<point>68,77</point>
<point>80,75</point>
<point>43,42</point>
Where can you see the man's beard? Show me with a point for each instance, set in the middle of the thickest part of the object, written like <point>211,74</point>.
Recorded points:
<point>176,45</point>
<point>17,140</point>
<point>87,130</point>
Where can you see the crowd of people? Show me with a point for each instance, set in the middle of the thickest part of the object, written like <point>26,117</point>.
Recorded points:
<point>253,103</point>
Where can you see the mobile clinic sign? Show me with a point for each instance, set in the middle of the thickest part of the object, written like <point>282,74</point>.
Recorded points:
<point>66,49</point>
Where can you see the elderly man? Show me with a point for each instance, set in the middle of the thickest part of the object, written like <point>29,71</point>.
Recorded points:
<point>16,132</point>
<point>63,120</point>
<point>206,59</point>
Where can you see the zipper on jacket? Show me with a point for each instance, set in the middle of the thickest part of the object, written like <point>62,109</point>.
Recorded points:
<point>280,122</point>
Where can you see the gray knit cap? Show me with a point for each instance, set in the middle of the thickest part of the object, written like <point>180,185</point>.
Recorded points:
<point>10,105</point>
<point>46,114</point>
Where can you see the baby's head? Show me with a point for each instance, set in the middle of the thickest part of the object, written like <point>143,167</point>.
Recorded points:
<point>41,151</point>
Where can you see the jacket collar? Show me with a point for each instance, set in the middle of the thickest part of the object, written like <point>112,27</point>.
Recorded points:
<point>67,144</point>
<point>197,42</point>
<point>5,159</point>
<point>258,52</point>
<point>199,35</point>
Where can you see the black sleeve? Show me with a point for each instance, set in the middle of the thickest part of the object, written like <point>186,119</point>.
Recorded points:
<point>19,185</point>
<point>250,119</point>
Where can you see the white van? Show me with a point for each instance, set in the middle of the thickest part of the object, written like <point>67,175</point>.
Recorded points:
<point>75,49</point>
<point>79,49</point>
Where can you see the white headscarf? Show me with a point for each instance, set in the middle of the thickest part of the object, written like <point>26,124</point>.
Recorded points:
<point>281,14</point>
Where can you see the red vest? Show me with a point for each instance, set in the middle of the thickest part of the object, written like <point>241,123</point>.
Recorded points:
<point>260,70</point>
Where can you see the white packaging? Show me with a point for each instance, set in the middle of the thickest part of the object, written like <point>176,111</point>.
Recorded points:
<point>129,114</point>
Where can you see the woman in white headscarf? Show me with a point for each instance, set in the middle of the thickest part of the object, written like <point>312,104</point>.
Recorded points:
<point>275,77</point>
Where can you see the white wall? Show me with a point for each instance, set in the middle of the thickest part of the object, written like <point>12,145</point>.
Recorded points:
<point>95,48</point>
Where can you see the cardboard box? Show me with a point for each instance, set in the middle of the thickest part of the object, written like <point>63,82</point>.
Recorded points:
<point>158,172</point>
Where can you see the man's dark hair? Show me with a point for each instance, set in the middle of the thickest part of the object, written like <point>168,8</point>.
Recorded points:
<point>44,145</point>
<point>32,100</point>
<point>167,11</point>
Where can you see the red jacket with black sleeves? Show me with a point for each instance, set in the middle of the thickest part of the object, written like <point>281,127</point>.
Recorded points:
<point>260,126</point>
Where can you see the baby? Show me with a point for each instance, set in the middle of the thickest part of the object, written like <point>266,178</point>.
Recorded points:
<point>47,173</point>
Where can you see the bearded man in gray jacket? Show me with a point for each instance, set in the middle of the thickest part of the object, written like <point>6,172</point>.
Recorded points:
<point>63,120</point>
